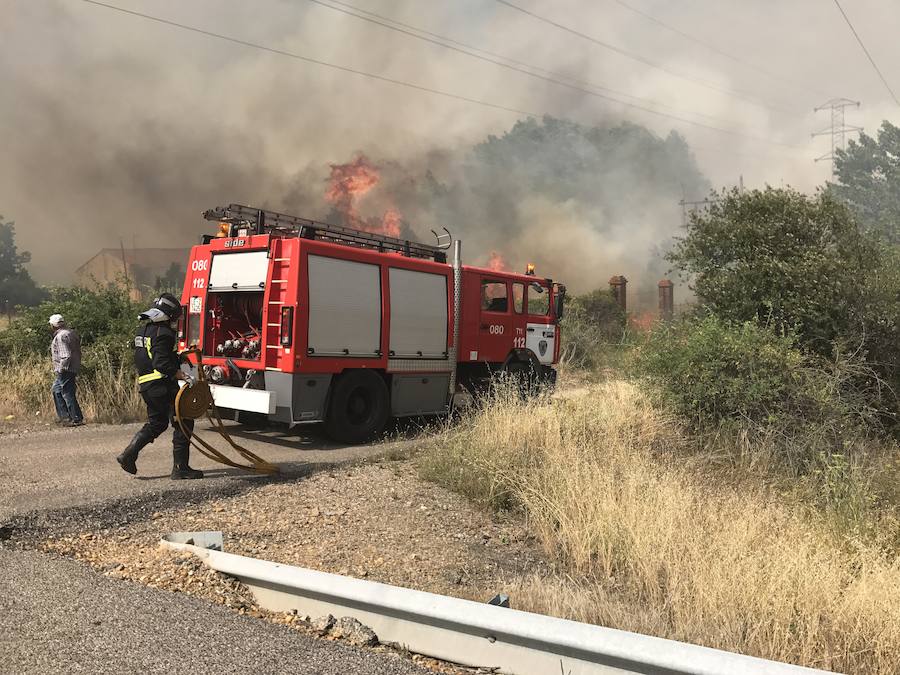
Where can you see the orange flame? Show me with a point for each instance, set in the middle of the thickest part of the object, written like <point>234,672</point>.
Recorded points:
<point>351,180</point>
<point>390,222</point>
<point>347,183</point>
<point>496,263</point>
<point>643,321</point>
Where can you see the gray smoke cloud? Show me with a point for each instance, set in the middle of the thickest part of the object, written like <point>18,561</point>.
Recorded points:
<point>114,128</point>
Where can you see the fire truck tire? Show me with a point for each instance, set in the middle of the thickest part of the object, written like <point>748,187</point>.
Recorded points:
<point>360,407</point>
<point>531,377</point>
<point>523,376</point>
<point>548,378</point>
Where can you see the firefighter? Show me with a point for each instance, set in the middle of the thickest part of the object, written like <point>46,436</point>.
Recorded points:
<point>159,370</point>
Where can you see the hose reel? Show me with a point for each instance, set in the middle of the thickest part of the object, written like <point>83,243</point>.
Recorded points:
<point>195,400</point>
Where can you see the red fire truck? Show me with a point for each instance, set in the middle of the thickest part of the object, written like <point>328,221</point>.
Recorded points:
<point>304,321</point>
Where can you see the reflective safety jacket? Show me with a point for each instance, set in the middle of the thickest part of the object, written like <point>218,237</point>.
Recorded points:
<point>156,355</point>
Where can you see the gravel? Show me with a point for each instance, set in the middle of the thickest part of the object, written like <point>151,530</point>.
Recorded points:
<point>378,521</point>
<point>58,616</point>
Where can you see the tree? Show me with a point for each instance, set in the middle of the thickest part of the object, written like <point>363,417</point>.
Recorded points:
<point>781,258</point>
<point>16,285</point>
<point>800,265</point>
<point>172,281</point>
<point>868,179</point>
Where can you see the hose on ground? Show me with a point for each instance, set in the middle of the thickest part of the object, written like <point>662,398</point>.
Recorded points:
<point>194,401</point>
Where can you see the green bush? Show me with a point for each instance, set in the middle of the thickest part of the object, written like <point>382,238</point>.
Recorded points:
<point>779,257</point>
<point>593,324</point>
<point>104,318</point>
<point>749,378</point>
<point>878,307</point>
<point>800,265</point>
<point>711,370</point>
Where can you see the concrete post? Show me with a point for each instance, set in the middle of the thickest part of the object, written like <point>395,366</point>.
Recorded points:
<point>617,285</point>
<point>666,300</point>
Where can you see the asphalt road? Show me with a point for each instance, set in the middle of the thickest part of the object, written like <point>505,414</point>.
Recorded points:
<point>54,468</point>
<point>58,615</point>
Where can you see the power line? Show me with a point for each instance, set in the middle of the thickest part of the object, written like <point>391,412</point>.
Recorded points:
<point>556,74</point>
<point>546,78</point>
<point>868,55</point>
<point>715,49</point>
<point>306,59</point>
<point>647,62</point>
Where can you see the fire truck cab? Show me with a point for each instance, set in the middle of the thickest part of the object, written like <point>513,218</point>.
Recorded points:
<point>304,321</point>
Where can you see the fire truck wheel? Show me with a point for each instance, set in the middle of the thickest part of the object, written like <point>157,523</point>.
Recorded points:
<point>359,408</point>
<point>525,376</point>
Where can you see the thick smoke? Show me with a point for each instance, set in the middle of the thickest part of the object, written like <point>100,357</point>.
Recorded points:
<point>115,129</point>
<point>581,202</point>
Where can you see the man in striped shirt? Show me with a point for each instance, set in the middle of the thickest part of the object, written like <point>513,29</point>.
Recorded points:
<point>65,352</point>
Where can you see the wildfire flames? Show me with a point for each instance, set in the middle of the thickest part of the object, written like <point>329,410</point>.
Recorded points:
<point>643,321</point>
<point>496,263</point>
<point>347,184</point>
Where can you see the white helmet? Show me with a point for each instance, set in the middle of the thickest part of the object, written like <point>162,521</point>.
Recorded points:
<point>165,308</point>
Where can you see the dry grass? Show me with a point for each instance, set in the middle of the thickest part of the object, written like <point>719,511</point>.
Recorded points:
<point>652,543</point>
<point>106,394</point>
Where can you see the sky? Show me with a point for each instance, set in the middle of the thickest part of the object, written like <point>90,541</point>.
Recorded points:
<point>115,128</point>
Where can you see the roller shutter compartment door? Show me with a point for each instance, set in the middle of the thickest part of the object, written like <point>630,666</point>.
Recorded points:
<point>418,314</point>
<point>344,307</point>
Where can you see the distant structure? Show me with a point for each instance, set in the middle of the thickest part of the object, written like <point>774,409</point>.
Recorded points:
<point>666,300</point>
<point>838,129</point>
<point>142,270</point>
<point>617,285</point>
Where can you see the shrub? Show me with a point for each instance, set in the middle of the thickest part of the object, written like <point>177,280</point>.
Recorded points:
<point>800,265</point>
<point>592,324</point>
<point>107,391</point>
<point>711,370</point>
<point>779,257</point>
<point>106,317</point>
<point>754,379</point>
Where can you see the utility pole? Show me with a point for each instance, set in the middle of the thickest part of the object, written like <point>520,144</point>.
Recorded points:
<point>838,129</point>
<point>124,263</point>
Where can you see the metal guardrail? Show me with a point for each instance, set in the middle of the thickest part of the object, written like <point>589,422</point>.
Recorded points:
<point>472,633</point>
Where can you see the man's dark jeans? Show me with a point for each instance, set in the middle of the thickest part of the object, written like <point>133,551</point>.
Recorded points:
<point>67,407</point>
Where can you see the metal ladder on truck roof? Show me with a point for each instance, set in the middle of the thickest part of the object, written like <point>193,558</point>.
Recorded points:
<point>261,221</point>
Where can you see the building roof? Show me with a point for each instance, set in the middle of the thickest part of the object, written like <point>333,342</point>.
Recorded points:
<point>155,258</point>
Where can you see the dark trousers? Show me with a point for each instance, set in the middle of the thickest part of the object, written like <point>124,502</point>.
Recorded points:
<point>160,400</point>
<point>64,398</point>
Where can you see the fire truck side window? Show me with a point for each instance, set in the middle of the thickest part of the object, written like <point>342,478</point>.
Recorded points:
<point>538,300</point>
<point>493,296</point>
<point>518,298</point>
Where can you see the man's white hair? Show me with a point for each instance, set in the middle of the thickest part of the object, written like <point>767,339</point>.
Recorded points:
<point>57,320</point>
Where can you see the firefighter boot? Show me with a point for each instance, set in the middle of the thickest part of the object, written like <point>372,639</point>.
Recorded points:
<point>180,468</point>
<point>127,460</point>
